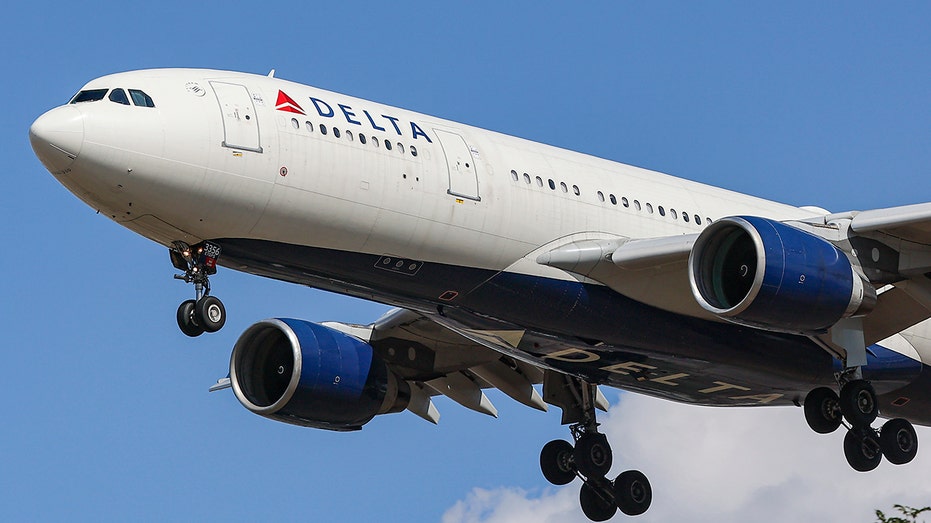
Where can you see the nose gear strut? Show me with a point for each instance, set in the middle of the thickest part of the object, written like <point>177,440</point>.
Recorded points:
<point>204,313</point>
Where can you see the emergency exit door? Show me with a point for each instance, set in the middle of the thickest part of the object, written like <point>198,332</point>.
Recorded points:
<point>463,174</point>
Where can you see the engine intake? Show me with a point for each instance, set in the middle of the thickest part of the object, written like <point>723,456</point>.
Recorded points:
<point>307,374</point>
<point>766,274</point>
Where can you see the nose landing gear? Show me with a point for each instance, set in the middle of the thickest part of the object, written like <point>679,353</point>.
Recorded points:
<point>590,459</point>
<point>204,313</point>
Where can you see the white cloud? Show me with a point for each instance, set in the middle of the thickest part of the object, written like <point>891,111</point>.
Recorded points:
<point>715,464</point>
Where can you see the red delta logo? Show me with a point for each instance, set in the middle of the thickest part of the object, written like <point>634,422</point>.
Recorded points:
<point>287,104</point>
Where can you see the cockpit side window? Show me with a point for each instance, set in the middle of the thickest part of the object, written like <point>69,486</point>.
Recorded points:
<point>90,95</point>
<point>141,99</point>
<point>119,96</point>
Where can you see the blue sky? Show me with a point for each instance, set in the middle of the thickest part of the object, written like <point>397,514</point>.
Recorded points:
<point>106,414</point>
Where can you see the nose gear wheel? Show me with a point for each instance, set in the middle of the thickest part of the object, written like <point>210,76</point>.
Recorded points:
<point>204,313</point>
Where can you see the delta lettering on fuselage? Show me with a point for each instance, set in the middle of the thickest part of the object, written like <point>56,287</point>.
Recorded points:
<point>325,110</point>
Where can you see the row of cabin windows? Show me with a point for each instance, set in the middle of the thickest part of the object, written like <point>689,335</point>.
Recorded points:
<point>324,130</point>
<point>648,207</point>
<point>539,181</point>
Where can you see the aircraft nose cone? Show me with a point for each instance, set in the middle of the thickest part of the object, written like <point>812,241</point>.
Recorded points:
<point>57,137</point>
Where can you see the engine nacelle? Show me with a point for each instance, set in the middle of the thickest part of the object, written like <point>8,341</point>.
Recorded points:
<point>766,274</point>
<point>307,374</point>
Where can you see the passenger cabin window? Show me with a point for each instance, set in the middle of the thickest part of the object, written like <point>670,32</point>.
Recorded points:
<point>140,99</point>
<point>362,138</point>
<point>413,151</point>
<point>118,96</point>
<point>91,95</point>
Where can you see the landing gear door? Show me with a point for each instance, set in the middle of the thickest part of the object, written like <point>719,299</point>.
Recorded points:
<point>463,175</point>
<point>240,126</point>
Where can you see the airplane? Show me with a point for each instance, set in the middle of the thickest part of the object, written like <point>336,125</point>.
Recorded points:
<point>510,264</point>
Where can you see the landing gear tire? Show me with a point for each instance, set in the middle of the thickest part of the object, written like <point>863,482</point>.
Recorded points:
<point>211,313</point>
<point>822,410</point>
<point>632,492</point>
<point>557,463</point>
<point>862,449</point>
<point>858,403</point>
<point>186,319</point>
<point>596,502</point>
<point>898,441</point>
<point>593,455</point>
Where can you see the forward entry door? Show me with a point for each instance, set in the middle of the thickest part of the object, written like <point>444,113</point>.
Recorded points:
<point>240,126</point>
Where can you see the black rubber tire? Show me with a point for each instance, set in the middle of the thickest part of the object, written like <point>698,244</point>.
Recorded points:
<point>633,493</point>
<point>186,321</point>
<point>899,441</point>
<point>862,449</point>
<point>822,410</point>
<point>556,462</point>
<point>858,403</point>
<point>593,455</point>
<point>210,313</point>
<point>594,505</point>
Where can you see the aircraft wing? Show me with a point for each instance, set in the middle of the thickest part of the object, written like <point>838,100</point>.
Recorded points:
<point>909,223</point>
<point>650,270</point>
<point>437,359</point>
<point>655,271</point>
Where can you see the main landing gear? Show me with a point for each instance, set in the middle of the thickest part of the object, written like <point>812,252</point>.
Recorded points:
<point>205,313</point>
<point>856,405</point>
<point>590,458</point>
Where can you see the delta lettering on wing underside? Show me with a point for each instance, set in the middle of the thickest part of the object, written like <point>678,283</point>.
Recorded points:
<point>326,111</point>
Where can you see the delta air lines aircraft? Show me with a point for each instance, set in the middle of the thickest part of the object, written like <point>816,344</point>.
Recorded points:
<point>510,263</point>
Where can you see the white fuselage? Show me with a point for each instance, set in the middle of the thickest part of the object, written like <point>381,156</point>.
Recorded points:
<point>166,173</point>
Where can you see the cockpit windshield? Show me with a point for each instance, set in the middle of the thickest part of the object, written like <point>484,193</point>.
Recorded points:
<point>139,98</point>
<point>91,95</point>
<point>119,96</point>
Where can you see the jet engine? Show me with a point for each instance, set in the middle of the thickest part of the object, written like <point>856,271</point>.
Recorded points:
<point>769,275</point>
<point>307,374</point>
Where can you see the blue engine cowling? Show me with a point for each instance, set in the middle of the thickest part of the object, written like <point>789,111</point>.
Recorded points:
<point>766,274</point>
<point>307,374</point>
